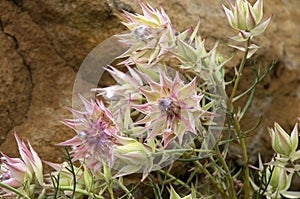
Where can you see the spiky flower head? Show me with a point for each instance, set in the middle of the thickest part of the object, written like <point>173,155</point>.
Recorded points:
<point>125,90</point>
<point>172,108</point>
<point>150,37</point>
<point>246,18</point>
<point>95,129</point>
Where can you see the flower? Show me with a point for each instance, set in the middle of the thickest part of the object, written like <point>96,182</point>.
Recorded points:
<point>122,94</point>
<point>246,19</point>
<point>95,129</point>
<point>24,171</point>
<point>151,35</point>
<point>283,144</point>
<point>172,108</point>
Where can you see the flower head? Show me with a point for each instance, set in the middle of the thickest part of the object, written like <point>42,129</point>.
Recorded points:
<point>95,129</point>
<point>246,18</point>
<point>172,108</point>
<point>21,172</point>
<point>151,35</point>
<point>119,96</point>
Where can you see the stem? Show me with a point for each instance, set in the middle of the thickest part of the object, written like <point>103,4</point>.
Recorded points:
<point>228,174</point>
<point>211,178</point>
<point>240,72</point>
<point>245,157</point>
<point>124,188</point>
<point>78,190</point>
<point>236,124</point>
<point>175,179</point>
<point>13,190</point>
<point>110,190</point>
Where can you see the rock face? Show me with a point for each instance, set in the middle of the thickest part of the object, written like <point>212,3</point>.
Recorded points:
<point>43,44</point>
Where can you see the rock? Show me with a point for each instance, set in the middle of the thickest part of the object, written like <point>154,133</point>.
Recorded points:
<point>46,41</point>
<point>16,86</point>
<point>51,84</point>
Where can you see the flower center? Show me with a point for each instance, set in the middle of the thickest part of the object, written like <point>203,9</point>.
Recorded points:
<point>143,33</point>
<point>169,106</point>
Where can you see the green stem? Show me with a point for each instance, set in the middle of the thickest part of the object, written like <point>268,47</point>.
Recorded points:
<point>240,72</point>
<point>245,158</point>
<point>110,190</point>
<point>13,190</point>
<point>211,178</point>
<point>230,109</point>
<point>81,191</point>
<point>124,188</point>
<point>228,173</point>
<point>175,179</point>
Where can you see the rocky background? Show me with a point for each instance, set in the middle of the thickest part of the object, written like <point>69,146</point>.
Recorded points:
<point>43,43</point>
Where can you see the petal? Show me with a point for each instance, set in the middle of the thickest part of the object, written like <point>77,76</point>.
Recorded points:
<point>240,14</point>
<point>24,152</point>
<point>258,9</point>
<point>186,52</point>
<point>230,17</point>
<point>241,37</point>
<point>187,91</point>
<point>75,141</point>
<point>250,18</point>
<point>261,27</point>
<point>37,165</point>
<point>294,138</point>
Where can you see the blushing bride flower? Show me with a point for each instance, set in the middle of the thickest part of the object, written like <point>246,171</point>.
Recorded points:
<point>150,37</point>
<point>21,172</point>
<point>96,132</point>
<point>172,108</point>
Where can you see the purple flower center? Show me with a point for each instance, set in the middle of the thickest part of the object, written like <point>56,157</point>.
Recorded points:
<point>169,106</point>
<point>143,33</point>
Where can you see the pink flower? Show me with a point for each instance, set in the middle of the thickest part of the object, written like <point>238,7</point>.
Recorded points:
<point>172,108</point>
<point>126,90</point>
<point>151,35</point>
<point>28,169</point>
<point>95,129</point>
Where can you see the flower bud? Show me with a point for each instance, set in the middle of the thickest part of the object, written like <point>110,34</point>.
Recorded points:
<point>282,143</point>
<point>280,180</point>
<point>246,18</point>
<point>132,157</point>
